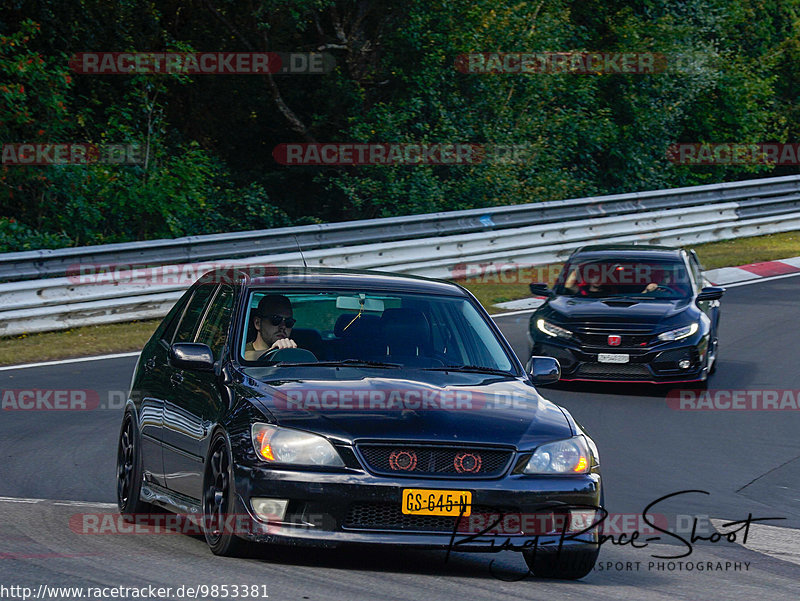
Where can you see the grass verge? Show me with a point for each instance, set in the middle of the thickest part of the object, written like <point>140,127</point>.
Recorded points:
<point>77,342</point>
<point>122,337</point>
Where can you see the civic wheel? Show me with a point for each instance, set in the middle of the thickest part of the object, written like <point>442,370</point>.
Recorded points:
<point>218,500</point>
<point>129,471</point>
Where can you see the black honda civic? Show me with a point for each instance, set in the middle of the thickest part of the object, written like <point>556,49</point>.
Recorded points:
<point>629,313</point>
<point>330,407</point>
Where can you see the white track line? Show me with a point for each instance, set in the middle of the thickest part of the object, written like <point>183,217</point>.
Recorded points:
<point>75,360</point>
<point>758,281</point>
<point>55,502</point>
<point>777,542</point>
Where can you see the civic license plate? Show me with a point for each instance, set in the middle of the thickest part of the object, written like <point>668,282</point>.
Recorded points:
<point>613,358</point>
<point>418,501</point>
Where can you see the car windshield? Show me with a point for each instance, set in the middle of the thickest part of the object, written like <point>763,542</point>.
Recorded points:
<point>371,330</point>
<point>624,278</point>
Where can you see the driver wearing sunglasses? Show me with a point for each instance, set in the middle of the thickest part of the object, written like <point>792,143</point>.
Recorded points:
<point>273,322</point>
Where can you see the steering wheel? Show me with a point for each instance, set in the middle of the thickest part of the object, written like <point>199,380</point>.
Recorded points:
<point>291,355</point>
<point>268,355</point>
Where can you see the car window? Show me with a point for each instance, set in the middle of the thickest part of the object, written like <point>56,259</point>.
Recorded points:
<point>410,329</point>
<point>185,331</point>
<point>215,325</point>
<point>697,271</point>
<point>623,277</point>
<point>174,318</point>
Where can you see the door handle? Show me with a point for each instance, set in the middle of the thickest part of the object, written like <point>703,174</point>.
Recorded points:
<point>176,378</point>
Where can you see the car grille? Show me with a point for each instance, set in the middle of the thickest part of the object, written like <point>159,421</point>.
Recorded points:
<point>388,516</point>
<point>419,460</point>
<point>602,371</point>
<point>598,336</point>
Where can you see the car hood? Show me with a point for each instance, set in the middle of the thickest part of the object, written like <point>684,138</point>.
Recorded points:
<point>476,409</point>
<point>621,310</point>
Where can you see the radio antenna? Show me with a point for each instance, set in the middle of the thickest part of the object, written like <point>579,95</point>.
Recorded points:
<point>301,251</point>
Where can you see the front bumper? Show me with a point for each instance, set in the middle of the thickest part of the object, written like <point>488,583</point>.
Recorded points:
<point>654,365</point>
<point>330,509</point>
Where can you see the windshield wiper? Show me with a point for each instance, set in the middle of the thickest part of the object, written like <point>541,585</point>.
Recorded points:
<point>471,369</point>
<point>343,362</point>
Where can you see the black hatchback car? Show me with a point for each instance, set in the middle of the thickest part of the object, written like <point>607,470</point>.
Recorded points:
<point>629,313</point>
<point>399,415</point>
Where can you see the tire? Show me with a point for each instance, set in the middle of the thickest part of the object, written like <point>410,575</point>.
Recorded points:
<point>129,471</point>
<point>219,497</point>
<point>569,565</point>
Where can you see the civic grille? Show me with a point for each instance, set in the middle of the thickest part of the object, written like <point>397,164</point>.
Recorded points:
<point>602,371</point>
<point>388,516</point>
<point>418,460</point>
<point>598,336</point>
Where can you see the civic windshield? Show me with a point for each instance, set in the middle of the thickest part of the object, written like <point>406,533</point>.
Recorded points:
<point>642,279</point>
<point>368,329</point>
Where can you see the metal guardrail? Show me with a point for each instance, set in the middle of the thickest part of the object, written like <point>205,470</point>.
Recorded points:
<point>756,198</point>
<point>674,217</point>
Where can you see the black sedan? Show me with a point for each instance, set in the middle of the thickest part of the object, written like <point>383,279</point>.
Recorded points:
<point>629,313</point>
<point>329,407</point>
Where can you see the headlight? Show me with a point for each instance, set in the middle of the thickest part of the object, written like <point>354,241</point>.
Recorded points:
<point>572,456</point>
<point>551,330</point>
<point>683,332</point>
<point>283,445</point>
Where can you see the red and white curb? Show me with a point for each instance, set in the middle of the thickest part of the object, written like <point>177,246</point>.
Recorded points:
<point>753,271</point>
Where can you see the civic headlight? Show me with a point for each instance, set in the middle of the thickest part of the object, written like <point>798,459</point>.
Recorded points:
<point>571,456</point>
<point>679,333</point>
<point>552,330</point>
<point>283,445</point>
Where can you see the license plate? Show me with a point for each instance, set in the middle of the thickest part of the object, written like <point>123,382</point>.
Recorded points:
<point>613,358</point>
<point>418,501</point>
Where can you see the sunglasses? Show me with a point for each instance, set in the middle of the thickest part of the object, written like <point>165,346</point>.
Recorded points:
<point>277,320</point>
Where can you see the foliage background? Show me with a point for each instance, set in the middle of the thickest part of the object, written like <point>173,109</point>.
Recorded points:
<point>210,138</point>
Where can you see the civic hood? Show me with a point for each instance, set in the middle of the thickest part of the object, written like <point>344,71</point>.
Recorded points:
<point>621,310</point>
<point>444,408</point>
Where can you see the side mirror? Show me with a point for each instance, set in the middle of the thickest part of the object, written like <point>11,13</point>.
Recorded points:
<point>710,293</point>
<point>544,370</point>
<point>539,289</point>
<point>191,355</point>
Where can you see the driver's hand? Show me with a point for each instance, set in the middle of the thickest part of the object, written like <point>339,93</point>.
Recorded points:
<point>650,287</point>
<point>283,343</point>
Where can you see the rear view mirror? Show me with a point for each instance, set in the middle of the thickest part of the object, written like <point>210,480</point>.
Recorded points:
<point>544,370</point>
<point>359,303</point>
<point>540,289</point>
<point>710,293</point>
<point>191,355</point>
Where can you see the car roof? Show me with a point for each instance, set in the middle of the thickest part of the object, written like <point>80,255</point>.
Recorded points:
<point>300,277</point>
<point>628,251</point>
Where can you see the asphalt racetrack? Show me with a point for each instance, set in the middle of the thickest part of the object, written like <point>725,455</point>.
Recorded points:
<point>56,465</point>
